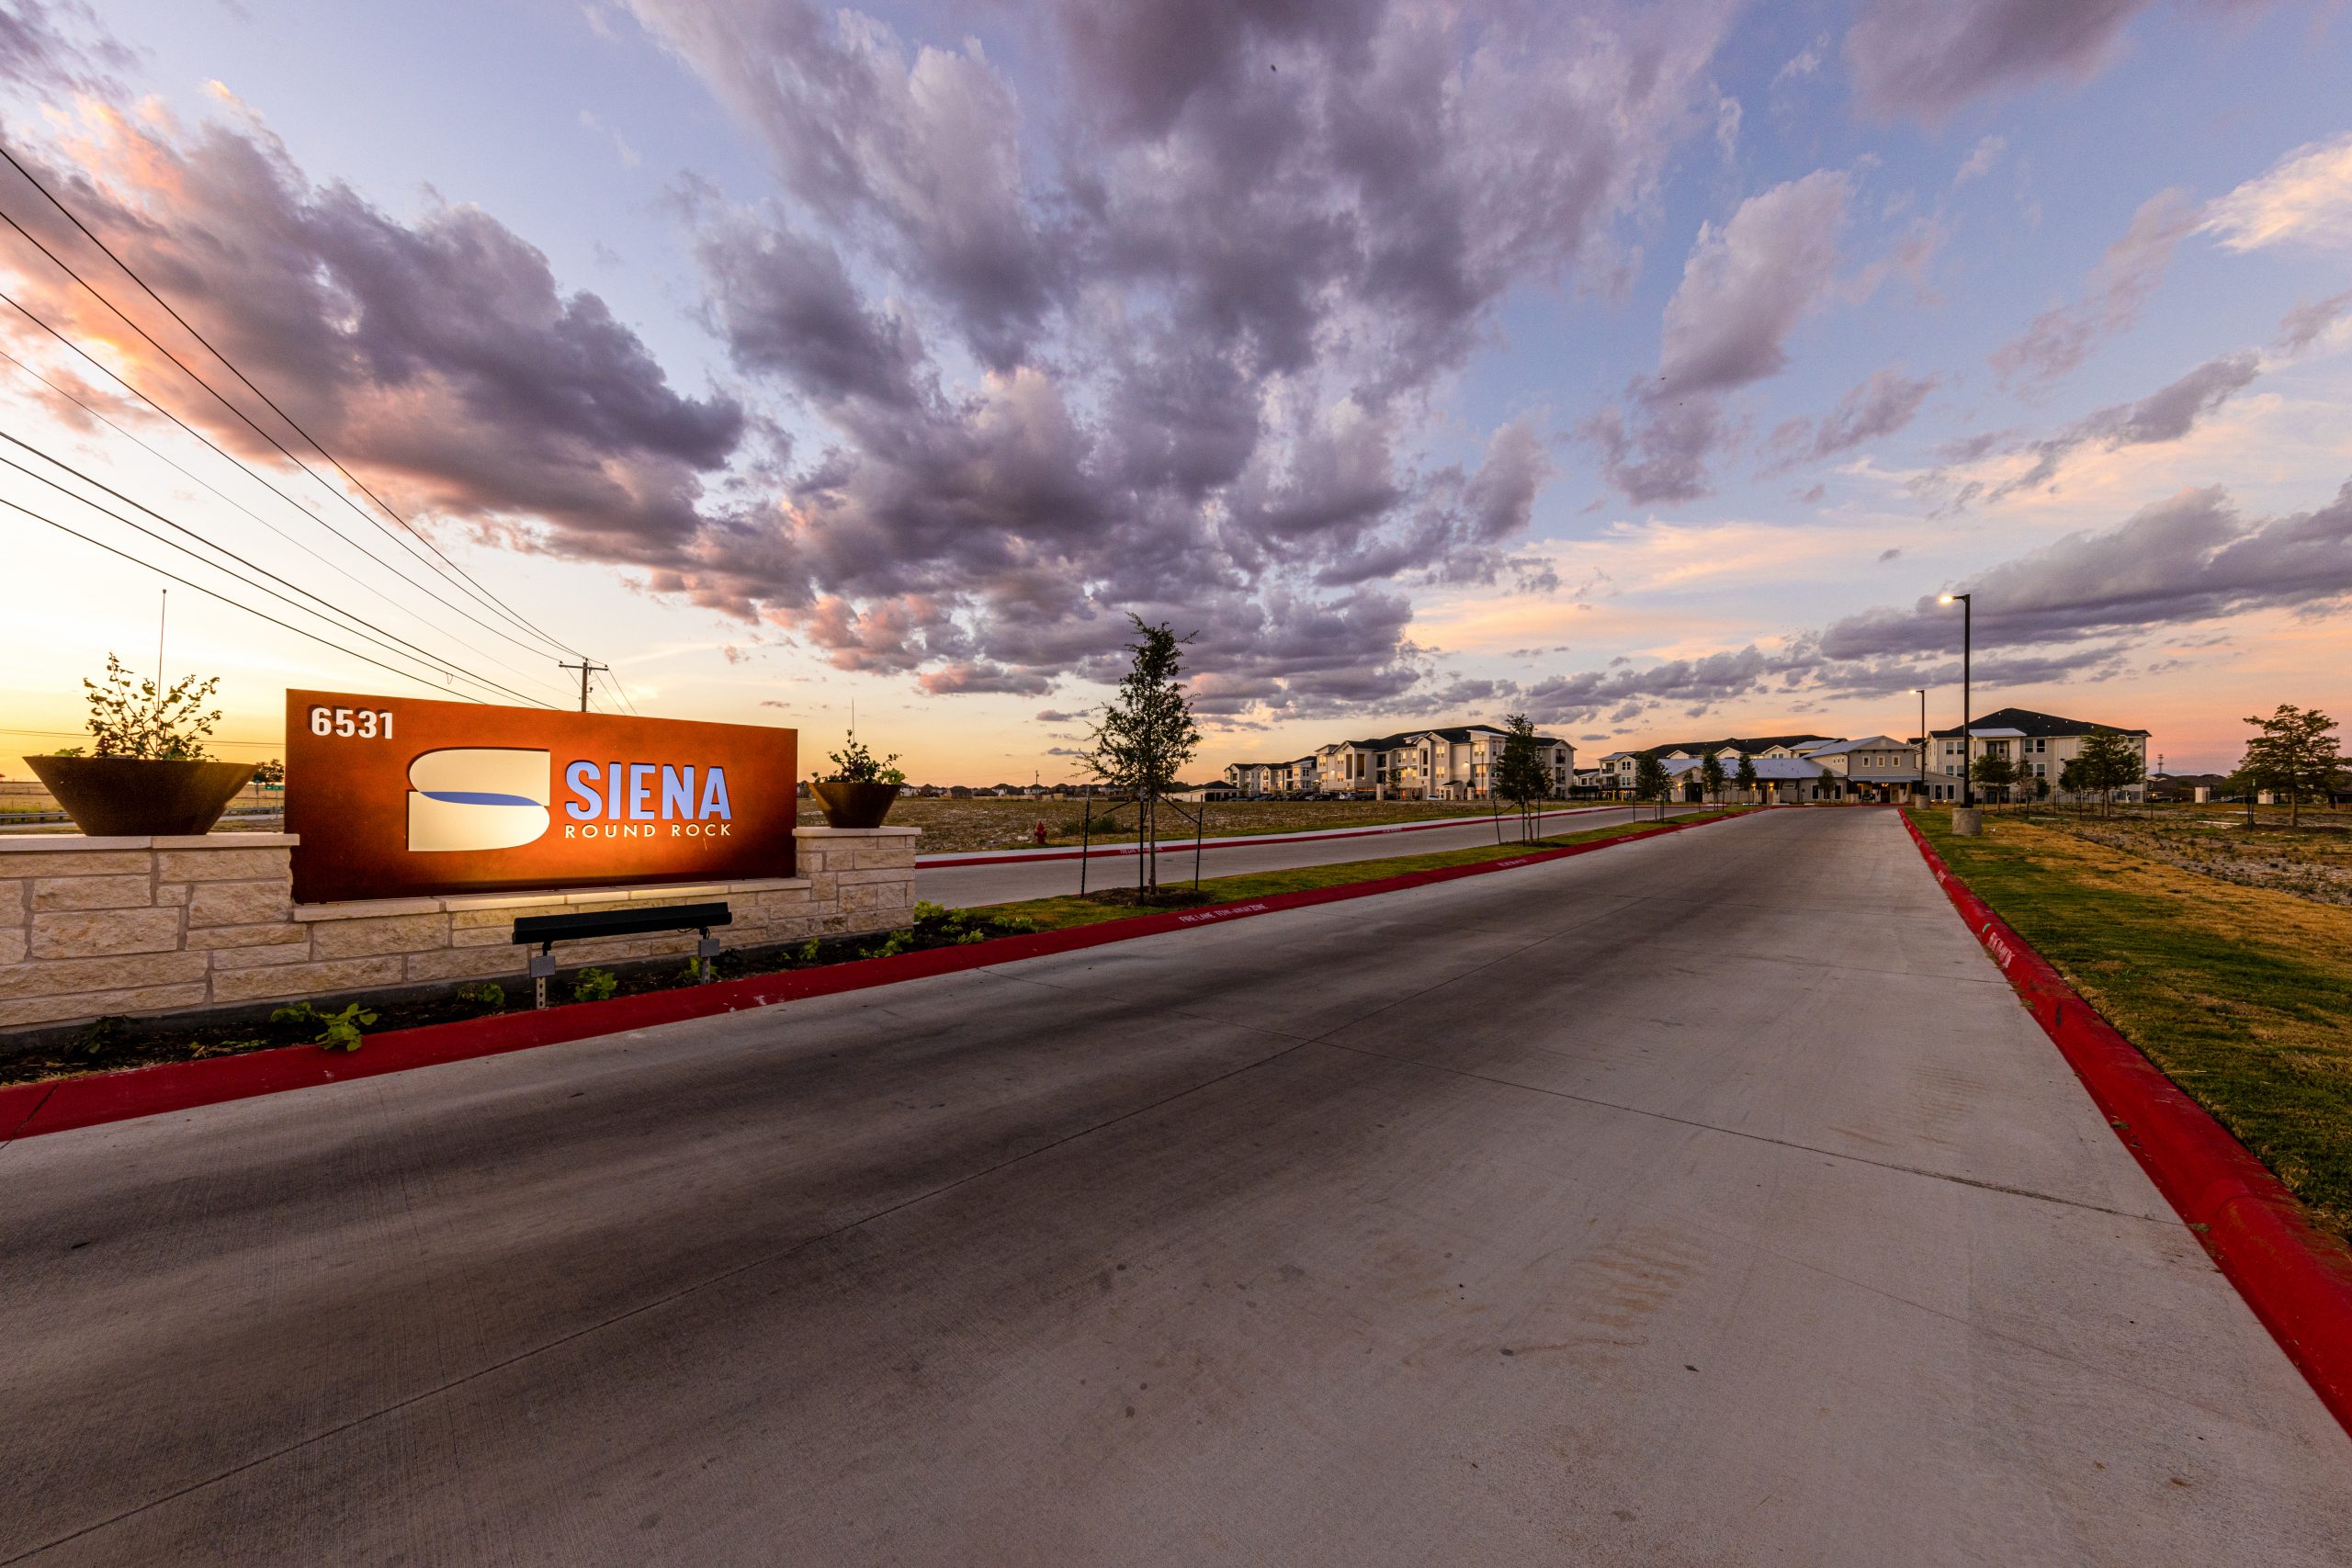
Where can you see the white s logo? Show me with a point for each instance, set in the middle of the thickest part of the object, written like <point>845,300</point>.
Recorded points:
<point>477,798</point>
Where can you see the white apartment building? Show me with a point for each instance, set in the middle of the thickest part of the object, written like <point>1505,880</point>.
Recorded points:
<point>1452,762</point>
<point>2042,743</point>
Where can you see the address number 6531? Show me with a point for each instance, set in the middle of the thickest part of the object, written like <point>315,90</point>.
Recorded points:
<point>367,724</point>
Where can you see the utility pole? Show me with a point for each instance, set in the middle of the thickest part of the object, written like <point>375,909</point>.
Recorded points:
<point>1967,602</point>
<point>584,667</point>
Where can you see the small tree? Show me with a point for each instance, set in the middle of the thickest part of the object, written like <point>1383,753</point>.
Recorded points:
<point>1521,776</point>
<point>131,718</point>
<point>270,773</point>
<point>1650,782</point>
<point>1710,777</point>
<point>2295,754</point>
<point>1993,774</point>
<point>2108,763</point>
<point>1146,735</point>
<point>1747,776</point>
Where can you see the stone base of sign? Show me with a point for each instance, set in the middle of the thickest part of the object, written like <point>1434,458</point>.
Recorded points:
<point>92,928</point>
<point>1967,821</point>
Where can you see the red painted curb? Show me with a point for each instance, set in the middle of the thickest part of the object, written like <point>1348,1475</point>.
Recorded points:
<point>945,862</point>
<point>58,1105</point>
<point>2297,1280</point>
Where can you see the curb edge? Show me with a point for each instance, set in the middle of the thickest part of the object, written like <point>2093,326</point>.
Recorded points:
<point>2297,1280</point>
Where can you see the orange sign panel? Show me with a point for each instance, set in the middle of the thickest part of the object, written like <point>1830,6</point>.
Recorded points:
<point>399,797</point>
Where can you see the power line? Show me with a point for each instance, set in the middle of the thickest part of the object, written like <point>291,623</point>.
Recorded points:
<point>214,489</point>
<point>482,593</point>
<point>248,609</point>
<point>184,370</point>
<point>330,609</point>
<point>173,544</point>
<point>263,479</point>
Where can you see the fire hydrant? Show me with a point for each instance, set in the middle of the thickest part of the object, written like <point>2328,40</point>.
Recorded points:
<point>1038,833</point>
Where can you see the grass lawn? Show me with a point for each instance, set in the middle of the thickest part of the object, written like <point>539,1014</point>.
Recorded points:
<point>1071,910</point>
<point>2242,996</point>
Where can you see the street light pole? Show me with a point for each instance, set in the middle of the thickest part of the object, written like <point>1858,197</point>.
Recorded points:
<point>1921,692</point>
<point>1967,756</point>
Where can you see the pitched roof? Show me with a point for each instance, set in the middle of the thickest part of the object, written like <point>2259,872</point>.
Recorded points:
<point>1867,743</point>
<point>1768,770</point>
<point>2025,721</point>
<point>1748,747</point>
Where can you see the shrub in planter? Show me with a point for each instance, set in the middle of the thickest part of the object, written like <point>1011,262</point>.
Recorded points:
<point>861,788</point>
<point>147,771</point>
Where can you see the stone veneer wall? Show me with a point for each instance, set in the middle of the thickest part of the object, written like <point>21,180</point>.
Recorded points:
<point>97,927</point>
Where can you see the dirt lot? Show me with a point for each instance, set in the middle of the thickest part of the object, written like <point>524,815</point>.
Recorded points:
<point>994,824</point>
<point>2314,861</point>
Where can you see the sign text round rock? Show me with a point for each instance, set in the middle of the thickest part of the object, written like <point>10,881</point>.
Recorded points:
<point>400,797</point>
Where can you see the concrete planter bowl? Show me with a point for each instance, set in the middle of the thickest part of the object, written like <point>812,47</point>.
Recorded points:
<point>135,797</point>
<point>849,805</point>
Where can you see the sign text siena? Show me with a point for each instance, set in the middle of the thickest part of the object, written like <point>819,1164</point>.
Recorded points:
<point>638,800</point>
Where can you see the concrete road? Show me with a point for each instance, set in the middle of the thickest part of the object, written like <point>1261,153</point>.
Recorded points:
<point>1706,1200</point>
<point>965,887</point>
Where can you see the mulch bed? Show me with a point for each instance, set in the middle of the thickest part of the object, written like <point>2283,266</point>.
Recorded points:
<point>113,1044</point>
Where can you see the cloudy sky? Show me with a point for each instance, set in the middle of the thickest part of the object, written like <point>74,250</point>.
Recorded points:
<point>1646,368</point>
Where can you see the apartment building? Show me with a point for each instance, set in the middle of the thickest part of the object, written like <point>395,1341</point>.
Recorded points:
<point>1458,762</point>
<point>1618,767</point>
<point>1449,762</point>
<point>2042,743</point>
<point>1875,768</point>
<point>1780,781</point>
<point>1269,778</point>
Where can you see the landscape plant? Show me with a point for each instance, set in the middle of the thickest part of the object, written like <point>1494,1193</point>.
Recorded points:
<point>1520,775</point>
<point>855,763</point>
<point>337,1030</point>
<point>1992,774</point>
<point>1145,735</point>
<point>2295,754</point>
<point>1710,777</point>
<point>132,717</point>
<point>1650,782</point>
<point>1747,776</point>
<point>594,984</point>
<point>2109,762</point>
